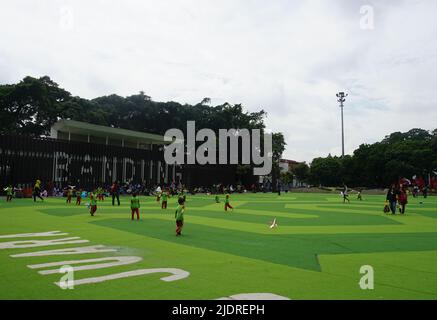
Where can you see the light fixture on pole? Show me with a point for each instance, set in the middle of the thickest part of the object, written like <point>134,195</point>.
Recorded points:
<point>341,99</point>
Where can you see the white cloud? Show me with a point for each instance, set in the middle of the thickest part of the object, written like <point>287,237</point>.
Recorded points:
<point>288,57</point>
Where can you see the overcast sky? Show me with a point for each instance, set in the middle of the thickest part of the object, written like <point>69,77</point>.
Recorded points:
<point>288,57</point>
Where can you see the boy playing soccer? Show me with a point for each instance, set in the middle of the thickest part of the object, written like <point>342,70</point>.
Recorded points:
<point>227,204</point>
<point>164,198</point>
<point>179,216</point>
<point>217,199</point>
<point>93,204</point>
<point>135,206</point>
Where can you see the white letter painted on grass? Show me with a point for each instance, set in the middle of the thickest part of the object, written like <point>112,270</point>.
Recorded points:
<point>178,274</point>
<point>119,261</point>
<point>367,280</point>
<point>67,280</point>
<point>39,243</point>
<point>32,235</point>
<point>255,296</point>
<point>67,251</point>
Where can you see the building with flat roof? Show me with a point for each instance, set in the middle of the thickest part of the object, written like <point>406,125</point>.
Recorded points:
<point>72,130</point>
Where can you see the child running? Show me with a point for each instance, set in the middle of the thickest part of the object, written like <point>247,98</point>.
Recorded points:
<point>93,204</point>
<point>227,203</point>
<point>179,216</point>
<point>9,193</point>
<point>135,206</point>
<point>164,198</point>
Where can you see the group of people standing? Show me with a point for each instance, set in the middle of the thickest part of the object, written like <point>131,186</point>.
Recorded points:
<point>397,194</point>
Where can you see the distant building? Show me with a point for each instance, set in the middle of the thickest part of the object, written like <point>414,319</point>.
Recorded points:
<point>286,165</point>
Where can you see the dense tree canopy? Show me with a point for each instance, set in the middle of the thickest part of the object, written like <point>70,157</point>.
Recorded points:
<point>32,106</point>
<point>397,156</point>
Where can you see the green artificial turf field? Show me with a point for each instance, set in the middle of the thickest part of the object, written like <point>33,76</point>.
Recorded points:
<point>315,253</point>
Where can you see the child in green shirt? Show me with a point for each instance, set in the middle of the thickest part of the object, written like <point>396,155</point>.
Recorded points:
<point>78,197</point>
<point>9,193</point>
<point>217,199</point>
<point>227,204</point>
<point>69,195</point>
<point>164,198</point>
<point>182,195</point>
<point>179,216</point>
<point>93,204</point>
<point>135,206</point>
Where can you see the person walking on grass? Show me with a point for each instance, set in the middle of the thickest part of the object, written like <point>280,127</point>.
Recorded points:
<point>227,203</point>
<point>135,206</point>
<point>403,199</point>
<point>392,195</point>
<point>345,194</point>
<point>425,191</point>
<point>115,192</point>
<point>93,203</point>
<point>179,216</point>
<point>69,194</point>
<point>164,199</point>
<point>78,197</point>
<point>37,190</point>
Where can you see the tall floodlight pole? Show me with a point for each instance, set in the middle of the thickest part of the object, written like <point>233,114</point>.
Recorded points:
<point>341,99</point>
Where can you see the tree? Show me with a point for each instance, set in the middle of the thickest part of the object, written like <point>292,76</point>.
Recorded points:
<point>324,171</point>
<point>278,148</point>
<point>31,106</point>
<point>287,177</point>
<point>301,172</point>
